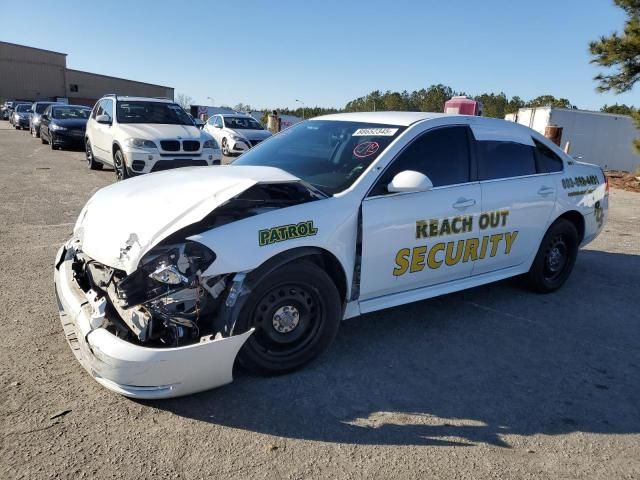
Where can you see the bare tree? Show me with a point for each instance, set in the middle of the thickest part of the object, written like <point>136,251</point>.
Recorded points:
<point>184,101</point>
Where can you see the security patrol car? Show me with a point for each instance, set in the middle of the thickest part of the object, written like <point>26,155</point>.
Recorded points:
<point>168,277</point>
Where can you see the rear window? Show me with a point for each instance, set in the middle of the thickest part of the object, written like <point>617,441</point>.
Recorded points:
<point>505,159</point>
<point>548,162</point>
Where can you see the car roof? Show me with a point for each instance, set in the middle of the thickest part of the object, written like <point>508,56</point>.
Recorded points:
<point>239,114</point>
<point>67,105</point>
<point>125,98</point>
<point>384,118</point>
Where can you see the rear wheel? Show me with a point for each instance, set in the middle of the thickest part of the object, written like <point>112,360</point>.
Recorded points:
<point>91,161</point>
<point>296,311</point>
<point>120,166</point>
<point>555,258</point>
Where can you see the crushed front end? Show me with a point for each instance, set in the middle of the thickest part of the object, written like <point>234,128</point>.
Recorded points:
<point>152,333</point>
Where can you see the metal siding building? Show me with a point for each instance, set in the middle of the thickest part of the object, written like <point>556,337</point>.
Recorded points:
<point>28,73</point>
<point>31,73</point>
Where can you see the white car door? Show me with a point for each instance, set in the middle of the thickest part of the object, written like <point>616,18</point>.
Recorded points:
<point>517,200</point>
<point>413,240</point>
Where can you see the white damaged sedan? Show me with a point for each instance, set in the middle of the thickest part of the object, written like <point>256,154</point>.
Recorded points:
<point>169,277</point>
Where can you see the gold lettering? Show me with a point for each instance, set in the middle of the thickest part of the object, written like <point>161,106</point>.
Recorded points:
<point>445,229</point>
<point>471,249</point>
<point>402,262</point>
<point>433,228</point>
<point>417,259</point>
<point>467,223</point>
<point>449,259</point>
<point>431,258</point>
<point>509,238</point>
<point>455,228</point>
<point>495,241</point>
<point>421,229</point>
<point>483,247</point>
<point>504,214</point>
<point>484,221</point>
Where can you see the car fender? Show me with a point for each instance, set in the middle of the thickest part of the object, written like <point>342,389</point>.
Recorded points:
<point>332,223</point>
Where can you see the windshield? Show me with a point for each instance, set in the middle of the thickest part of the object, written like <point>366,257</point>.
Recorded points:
<point>23,107</point>
<point>70,113</point>
<point>41,107</point>
<point>152,112</point>
<point>330,155</point>
<point>242,123</point>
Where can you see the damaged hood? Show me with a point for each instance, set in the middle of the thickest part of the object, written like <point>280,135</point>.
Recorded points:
<point>123,221</point>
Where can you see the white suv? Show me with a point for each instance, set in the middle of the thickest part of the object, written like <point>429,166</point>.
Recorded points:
<point>139,135</point>
<point>236,132</point>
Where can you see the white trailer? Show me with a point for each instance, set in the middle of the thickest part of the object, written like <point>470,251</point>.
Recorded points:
<point>600,138</point>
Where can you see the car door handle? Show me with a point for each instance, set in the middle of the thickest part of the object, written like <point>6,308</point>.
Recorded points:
<point>544,191</point>
<point>463,203</point>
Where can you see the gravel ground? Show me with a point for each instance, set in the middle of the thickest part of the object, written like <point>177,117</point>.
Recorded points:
<point>493,382</point>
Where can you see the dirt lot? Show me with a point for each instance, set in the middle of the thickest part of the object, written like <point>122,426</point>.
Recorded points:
<point>494,382</point>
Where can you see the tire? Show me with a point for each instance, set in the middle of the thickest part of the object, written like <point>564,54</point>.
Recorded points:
<point>51,144</point>
<point>555,258</point>
<point>225,148</point>
<point>296,311</point>
<point>120,166</point>
<point>91,161</point>
<point>42,140</point>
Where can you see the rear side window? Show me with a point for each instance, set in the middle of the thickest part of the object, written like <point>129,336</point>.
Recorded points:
<point>547,161</point>
<point>505,159</point>
<point>441,154</point>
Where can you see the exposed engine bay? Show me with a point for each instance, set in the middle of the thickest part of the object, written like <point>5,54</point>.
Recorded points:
<point>167,301</point>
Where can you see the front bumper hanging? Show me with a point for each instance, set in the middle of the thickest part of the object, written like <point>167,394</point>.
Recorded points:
<point>133,370</point>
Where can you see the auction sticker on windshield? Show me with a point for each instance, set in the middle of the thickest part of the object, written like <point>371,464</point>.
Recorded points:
<point>375,132</point>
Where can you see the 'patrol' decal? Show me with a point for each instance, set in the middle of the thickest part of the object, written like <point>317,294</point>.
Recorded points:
<point>415,259</point>
<point>269,236</point>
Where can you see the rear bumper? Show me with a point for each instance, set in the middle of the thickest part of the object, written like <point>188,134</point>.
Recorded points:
<point>133,370</point>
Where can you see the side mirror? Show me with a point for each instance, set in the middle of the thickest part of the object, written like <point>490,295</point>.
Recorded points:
<point>410,181</point>
<point>217,126</point>
<point>103,119</point>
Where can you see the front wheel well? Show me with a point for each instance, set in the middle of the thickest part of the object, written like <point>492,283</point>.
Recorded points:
<point>321,257</point>
<point>577,219</point>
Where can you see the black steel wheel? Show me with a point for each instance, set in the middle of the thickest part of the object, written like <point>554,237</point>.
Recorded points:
<point>91,161</point>
<point>555,258</point>
<point>120,166</point>
<point>296,312</point>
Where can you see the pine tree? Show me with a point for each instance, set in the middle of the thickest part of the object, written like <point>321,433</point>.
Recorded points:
<point>620,52</point>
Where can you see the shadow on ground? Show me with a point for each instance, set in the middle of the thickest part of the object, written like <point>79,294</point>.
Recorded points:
<point>462,369</point>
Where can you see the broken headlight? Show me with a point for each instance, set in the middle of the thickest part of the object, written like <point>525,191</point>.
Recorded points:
<point>165,269</point>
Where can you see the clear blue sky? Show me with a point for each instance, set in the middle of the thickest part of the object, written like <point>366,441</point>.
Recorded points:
<point>327,52</point>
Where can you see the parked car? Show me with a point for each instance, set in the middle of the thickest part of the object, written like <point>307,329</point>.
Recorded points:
<point>21,116</point>
<point>139,135</point>
<point>236,133</point>
<point>37,109</point>
<point>64,125</point>
<point>8,108</point>
<point>168,277</point>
